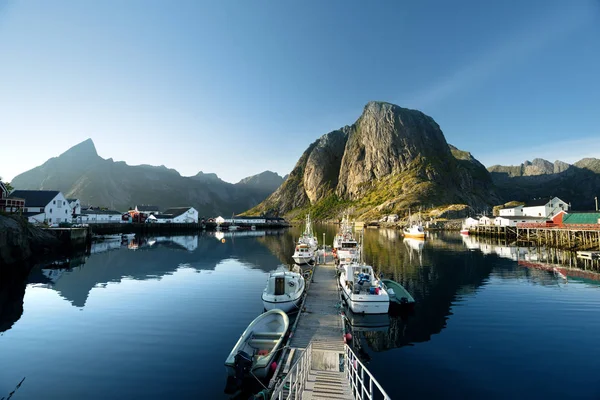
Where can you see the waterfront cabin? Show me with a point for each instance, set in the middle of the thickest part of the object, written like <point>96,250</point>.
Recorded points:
<point>513,221</point>
<point>182,215</point>
<point>557,219</point>
<point>485,220</point>
<point>10,203</point>
<point>471,222</point>
<point>511,211</point>
<point>582,218</point>
<point>146,209</point>
<point>546,208</point>
<point>41,206</point>
<point>98,216</point>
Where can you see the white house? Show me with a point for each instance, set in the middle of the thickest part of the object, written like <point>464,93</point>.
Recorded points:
<point>513,221</point>
<point>159,219</point>
<point>49,206</point>
<point>75,207</point>
<point>471,222</point>
<point>220,220</point>
<point>246,220</point>
<point>182,214</point>
<point>96,216</point>
<point>545,207</point>
<point>511,211</point>
<point>485,220</point>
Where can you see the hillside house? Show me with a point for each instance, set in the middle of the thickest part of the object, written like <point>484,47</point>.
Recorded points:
<point>513,221</point>
<point>49,206</point>
<point>544,207</point>
<point>10,203</point>
<point>181,215</point>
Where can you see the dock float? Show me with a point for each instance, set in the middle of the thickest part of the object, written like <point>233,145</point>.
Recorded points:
<point>318,364</point>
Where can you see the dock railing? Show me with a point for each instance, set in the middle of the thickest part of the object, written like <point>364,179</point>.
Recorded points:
<point>361,381</point>
<point>295,380</point>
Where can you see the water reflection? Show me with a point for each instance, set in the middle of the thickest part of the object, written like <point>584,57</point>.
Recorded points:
<point>153,257</point>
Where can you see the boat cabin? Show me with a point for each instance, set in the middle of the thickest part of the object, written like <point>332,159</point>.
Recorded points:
<point>361,279</point>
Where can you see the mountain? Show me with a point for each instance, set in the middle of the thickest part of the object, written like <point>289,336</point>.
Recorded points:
<point>266,181</point>
<point>81,173</point>
<point>390,159</point>
<point>574,183</point>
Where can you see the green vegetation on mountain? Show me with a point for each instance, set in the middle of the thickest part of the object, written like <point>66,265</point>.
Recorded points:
<point>391,159</point>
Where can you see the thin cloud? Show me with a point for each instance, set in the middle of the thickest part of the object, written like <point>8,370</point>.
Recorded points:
<point>521,46</point>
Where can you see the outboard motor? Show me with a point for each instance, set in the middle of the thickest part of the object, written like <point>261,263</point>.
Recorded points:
<point>243,365</point>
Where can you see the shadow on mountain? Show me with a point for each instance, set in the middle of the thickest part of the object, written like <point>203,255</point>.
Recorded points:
<point>575,185</point>
<point>152,258</point>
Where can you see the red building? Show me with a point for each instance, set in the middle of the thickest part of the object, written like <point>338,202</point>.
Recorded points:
<point>10,204</point>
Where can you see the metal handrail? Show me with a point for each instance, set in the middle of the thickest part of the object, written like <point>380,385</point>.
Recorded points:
<point>355,372</point>
<point>296,378</point>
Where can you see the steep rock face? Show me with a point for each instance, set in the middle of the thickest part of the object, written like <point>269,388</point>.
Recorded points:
<point>81,173</point>
<point>576,184</point>
<point>20,241</point>
<point>323,164</point>
<point>391,159</point>
<point>385,140</point>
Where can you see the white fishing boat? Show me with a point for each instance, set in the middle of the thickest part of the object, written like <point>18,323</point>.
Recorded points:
<point>414,231</point>
<point>344,233</point>
<point>283,291</point>
<point>362,290</point>
<point>303,254</point>
<point>308,237</point>
<point>257,347</point>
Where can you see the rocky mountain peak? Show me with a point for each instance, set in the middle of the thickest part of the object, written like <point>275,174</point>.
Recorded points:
<point>83,149</point>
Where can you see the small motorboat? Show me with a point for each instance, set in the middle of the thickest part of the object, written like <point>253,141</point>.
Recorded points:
<point>257,347</point>
<point>303,254</point>
<point>362,291</point>
<point>284,291</point>
<point>464,230</point>
<point>398,294</point>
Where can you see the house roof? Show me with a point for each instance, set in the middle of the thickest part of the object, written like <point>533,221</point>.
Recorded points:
<point>537,202</point>
<point>146,208</point>
<point>35,198</point>
<point>582,218</point>
<point>162,216</point>
<point>102,212</point>
<point>3,187</point>
<point>176,211</point>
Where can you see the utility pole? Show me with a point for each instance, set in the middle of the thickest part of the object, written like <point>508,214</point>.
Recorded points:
<point>596,198</point>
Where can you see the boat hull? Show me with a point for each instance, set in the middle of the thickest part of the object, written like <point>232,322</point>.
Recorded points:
<point>301,260</point>
<point>287,306</point>
<point>417,235</point>
<point>361,304</point>
<point>464,231</point>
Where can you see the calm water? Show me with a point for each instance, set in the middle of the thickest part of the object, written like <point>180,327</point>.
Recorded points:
<point>156,319</point>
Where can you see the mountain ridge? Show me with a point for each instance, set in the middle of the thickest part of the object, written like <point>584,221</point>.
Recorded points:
<point>80,172</point>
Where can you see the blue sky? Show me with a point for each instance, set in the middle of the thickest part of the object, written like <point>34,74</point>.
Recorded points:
<point>239,87</point>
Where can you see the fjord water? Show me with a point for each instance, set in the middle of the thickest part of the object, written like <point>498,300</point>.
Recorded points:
<point>157,318</point>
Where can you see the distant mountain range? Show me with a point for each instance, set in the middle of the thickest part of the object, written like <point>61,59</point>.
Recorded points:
<point>577,183</point>
<point>81,173</point>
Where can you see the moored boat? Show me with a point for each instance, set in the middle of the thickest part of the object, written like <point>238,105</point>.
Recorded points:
<point>303,254</point>
<point>362,291</point>
<point>414,231</point>
<point>397,293</point>
<point>257,347</point>
<point>464,230</point>
<point>308,237</point>
<point>283,291</point>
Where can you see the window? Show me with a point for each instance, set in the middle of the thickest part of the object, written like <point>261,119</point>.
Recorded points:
<point>50,211</point>
<point>58,220</point>
<point>65,211</point>
<point>25,209</point>
<point>53,201</point>
<point>50,220</point>
<point>59,204</point>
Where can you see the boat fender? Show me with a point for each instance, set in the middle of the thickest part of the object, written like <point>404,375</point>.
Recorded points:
<point>291,283</point>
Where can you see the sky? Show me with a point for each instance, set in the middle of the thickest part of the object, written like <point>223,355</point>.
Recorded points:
<point>239,87</point>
